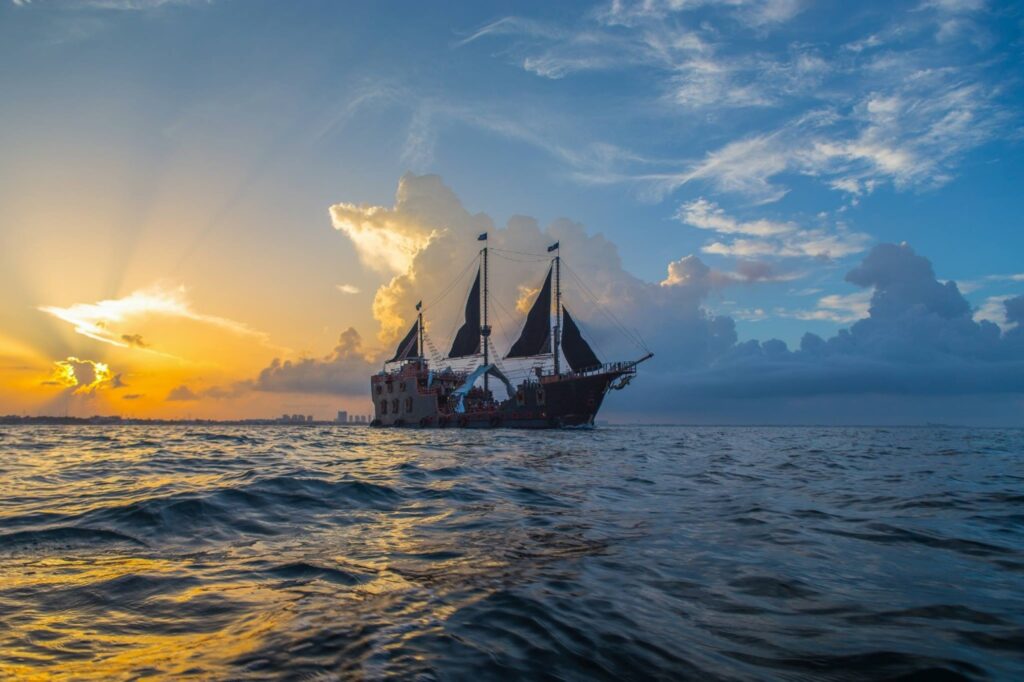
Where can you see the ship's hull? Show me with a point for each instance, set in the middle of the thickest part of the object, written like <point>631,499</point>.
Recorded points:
<point>553,402</point>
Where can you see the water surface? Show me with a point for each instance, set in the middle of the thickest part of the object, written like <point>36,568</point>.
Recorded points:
<point>622,552</point>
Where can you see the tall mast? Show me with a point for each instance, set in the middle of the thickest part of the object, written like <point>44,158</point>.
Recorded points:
<point>558,304</point>
<point>485,330</point>
<point>419,325</point>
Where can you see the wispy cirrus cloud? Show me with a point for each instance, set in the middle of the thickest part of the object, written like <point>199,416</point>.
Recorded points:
<point>117,5</point>
<point>766,238</point>
<point>839,308</point>
<point>113,321</point>
<point>706,215</point>
<point>896,106</point>
<point>749,12</point>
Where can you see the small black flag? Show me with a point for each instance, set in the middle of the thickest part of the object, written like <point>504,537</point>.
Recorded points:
<point>552,247</point>
<point>482,238</point>
<point>419,305</point>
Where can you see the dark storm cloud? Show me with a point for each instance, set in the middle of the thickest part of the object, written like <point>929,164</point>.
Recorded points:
<point>1015,314</point>
<point>919,339</point>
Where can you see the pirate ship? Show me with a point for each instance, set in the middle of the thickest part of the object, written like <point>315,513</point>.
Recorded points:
<point>410,391</point>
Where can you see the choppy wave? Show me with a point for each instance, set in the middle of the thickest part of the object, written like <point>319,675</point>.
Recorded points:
<point>618,553</point>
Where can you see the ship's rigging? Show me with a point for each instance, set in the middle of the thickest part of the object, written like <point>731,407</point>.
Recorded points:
<point>540,343</point>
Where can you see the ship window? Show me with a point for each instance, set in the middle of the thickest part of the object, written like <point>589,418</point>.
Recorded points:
<point>394,405</point>
<point>408,404</point>
<point>383,407</point>
<point>391,387</point>
<point>540,396</point>
<point>379,389</point>
<point>401,387</point>
<point>520,398</point>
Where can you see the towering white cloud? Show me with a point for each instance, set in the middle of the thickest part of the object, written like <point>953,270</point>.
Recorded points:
<point>910,333</point>
<point>601,293</point>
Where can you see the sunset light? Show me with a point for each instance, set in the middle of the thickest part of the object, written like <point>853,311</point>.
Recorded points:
<point>577,340</point>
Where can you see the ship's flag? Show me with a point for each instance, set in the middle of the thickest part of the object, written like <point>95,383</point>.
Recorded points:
<point>482,238</point>
<point>552,247</point>
<point>419,305</point>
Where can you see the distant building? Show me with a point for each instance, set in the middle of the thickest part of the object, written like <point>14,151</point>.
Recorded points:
<point>296,418</point>
<point>342,417</point>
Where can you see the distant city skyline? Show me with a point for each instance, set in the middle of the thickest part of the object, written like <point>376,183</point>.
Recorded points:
<point>810,212</point>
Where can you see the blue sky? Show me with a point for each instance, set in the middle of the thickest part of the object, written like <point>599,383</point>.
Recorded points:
<point>778,141</point>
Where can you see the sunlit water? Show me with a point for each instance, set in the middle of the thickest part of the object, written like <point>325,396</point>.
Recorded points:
<point>622,552</point>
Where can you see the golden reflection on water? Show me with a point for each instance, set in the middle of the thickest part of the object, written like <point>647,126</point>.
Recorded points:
<point>72,640</point>
<point>171,608</point>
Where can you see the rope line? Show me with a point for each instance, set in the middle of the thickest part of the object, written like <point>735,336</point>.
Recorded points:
<point>633,337</point>
<point>458,278</point>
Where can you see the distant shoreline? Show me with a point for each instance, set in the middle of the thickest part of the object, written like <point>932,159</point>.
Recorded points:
<point>14,420</point>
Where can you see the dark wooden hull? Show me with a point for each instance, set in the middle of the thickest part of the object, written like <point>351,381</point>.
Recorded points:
<point>554,402</point>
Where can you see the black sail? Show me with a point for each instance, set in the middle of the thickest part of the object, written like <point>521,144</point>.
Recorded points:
<point>467,340</point>
<point>535,338</point>
<point>409,346</point>
<point>577,350</point>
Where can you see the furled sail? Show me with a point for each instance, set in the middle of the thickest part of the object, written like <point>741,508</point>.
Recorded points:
<point>577,350</point>
<point>409,346</point>
<point>535,338</point>
<point>467,340</point>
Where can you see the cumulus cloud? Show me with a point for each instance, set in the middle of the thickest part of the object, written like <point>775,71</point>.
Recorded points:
<point>691,272</point>
<point>996,309</point>
<point>82,376</point>
<point>346,370</point>
<point>182,393</point>
<point>918,337</point>
<point>384,239</point>
<point>425,206</point>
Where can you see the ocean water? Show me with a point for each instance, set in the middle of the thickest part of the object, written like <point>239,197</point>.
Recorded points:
<point>616,553</point>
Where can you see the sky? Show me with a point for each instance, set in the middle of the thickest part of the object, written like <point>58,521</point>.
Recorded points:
<point>809,212</point>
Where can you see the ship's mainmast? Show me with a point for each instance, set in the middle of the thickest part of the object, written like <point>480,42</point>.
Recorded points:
<point>419,323</point>
<point>558,305</point>
<point>485,329</point>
